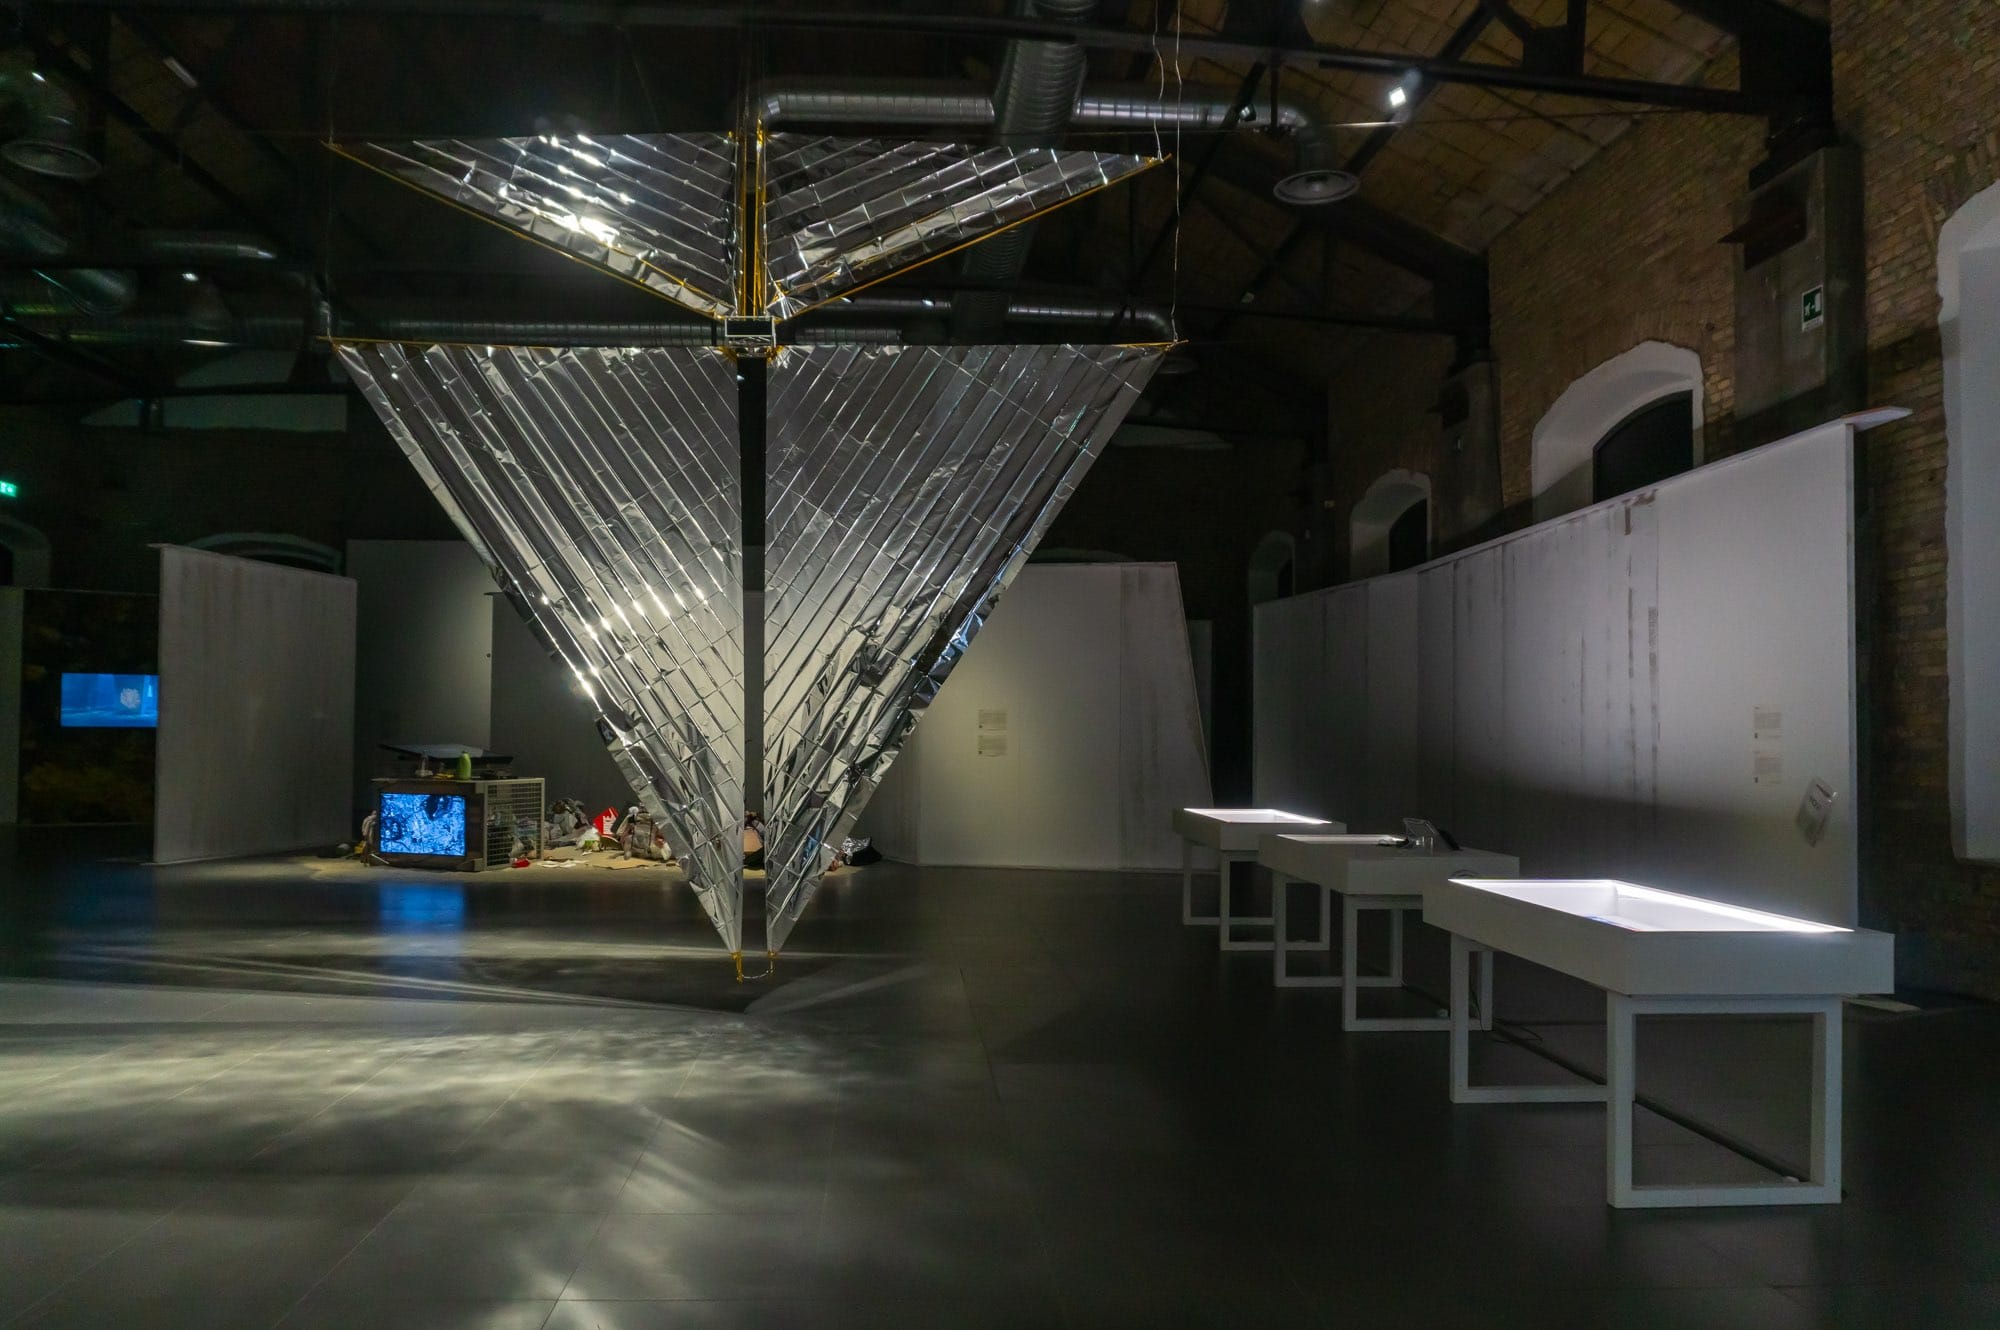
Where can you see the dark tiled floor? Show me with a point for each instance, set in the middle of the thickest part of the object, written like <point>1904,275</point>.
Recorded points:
<point>287,1095</point>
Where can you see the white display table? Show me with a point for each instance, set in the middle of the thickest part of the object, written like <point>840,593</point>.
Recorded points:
<point>1384,873</point>
<point>1659,952</point>
<point>1233,834</point>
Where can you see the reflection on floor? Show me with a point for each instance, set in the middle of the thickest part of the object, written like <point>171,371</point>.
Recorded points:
<point>251,1096</point>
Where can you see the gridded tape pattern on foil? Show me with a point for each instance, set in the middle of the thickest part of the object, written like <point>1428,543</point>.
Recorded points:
<point>840,213</point>
<point>906,487</point>
<point>658,210</point>
<point>604,487</point>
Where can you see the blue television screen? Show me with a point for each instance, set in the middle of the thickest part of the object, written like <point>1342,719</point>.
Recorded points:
<point>110,701</point>
<point>421,824</point>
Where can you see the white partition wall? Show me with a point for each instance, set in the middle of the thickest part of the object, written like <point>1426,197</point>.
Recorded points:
<point>1647,688</point>
<point>11,606</point>
<point>256,707</point>
<point>423,666</point>
<point>1064,739</point>
<point>543,721</point>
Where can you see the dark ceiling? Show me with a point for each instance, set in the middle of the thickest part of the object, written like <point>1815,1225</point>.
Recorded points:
<point>211,118</point>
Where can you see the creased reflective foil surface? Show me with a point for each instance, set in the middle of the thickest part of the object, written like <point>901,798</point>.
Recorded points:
<point>905,487</point>
<point>604,487</point>
<point>658,210</point>
<point>842,212</point>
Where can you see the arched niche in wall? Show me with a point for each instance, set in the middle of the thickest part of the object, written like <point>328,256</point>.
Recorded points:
<point>1969,327</point>
<point>28,560</point>
<point>1273,566</point>
<point>1563,465</point>
<point>1390,527</point>
<point>273,547</point>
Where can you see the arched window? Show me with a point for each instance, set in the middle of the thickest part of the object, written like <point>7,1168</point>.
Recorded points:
<point>1390,528</point>
<point>1410,537</point>
<point>1969,327</point>
<point>1271,567</point>
<point>1599,405</point>
<point>1649,445</point>
<point>272,547</point>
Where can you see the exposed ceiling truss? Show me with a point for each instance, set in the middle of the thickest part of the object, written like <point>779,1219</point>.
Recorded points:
<point>336,245</point>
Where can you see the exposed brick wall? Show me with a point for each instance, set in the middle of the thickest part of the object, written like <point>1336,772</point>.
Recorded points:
<point>1627,252</point>
<point>1383,408</point>
<point>1916,84</point>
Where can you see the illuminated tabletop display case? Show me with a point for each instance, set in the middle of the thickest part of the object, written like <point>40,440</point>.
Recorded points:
<point>1369,873</point>
<point>1233,833</point>
<point>1663,953</point>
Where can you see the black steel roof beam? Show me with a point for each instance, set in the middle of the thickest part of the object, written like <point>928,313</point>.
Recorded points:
<point>205,93</point>
<point>1294,54</point>
<point>1786,63</point>
<point>1399,323</point>
<point>160,144</point>
<point>60,351</point>
<point>1274,263</point>
<point>1235,228</point>
<point>1455,47</point>
<point>1382,233</point>
<point>1271,20</point>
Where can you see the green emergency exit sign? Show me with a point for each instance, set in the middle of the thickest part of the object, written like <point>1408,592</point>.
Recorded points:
<point>1812,308</point>
<point>9,490</point>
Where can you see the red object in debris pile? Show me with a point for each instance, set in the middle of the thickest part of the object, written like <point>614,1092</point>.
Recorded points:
<point>520,863</point>
<point>607,822</point>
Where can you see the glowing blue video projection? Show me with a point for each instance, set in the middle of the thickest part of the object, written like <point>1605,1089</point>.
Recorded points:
<point>110,701</point>
<point>421,824</point>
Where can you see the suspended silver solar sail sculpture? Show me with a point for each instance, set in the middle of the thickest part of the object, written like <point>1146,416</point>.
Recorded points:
<point>905,485</point>
<point>603,486</point>
<point>656,210</point>
<point>905,488</point>
<point>841,213</point>
<point>661,210</point>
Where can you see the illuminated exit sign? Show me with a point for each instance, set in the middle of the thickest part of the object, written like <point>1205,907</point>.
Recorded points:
<point>9,490</point>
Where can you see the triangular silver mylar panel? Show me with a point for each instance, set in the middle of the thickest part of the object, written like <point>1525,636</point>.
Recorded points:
<point>840,213</point>
<point>906,487</point>
<point>604,486</point>
<point>657,210</point>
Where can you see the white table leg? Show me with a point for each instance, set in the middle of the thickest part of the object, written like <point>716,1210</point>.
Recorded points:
<point>1463,1091</point>
<point>1822,1188</point>
<point>1350,960</point>
<point>1352,906</point>
<point>1188,916</point>
<point>1281,975</point>
<point>1227,939</point>
<point>1485,959</point>
<point>1621,1077</point>
<point>1826,1105</point>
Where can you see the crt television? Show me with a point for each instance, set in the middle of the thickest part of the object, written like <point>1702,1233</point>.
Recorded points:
<point>421,824</point>
<point>110,701</point>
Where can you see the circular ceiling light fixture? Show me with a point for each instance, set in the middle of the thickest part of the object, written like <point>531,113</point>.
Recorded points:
<point>1318,185</point>
<point>51,143</point>
<point>51,157</point>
